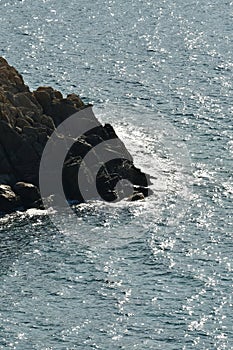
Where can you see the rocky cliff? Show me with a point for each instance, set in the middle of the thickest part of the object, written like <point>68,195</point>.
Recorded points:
<point>27,121</point>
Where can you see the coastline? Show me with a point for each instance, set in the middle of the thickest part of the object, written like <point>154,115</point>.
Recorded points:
<point>29,119</point>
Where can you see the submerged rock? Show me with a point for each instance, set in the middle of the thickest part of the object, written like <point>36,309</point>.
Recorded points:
<point>27,121</point>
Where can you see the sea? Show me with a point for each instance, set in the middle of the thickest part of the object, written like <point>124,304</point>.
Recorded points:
<point>152,274</point>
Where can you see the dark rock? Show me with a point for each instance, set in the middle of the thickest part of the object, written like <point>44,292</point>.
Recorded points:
<point>29,194</point>
<point>22,122</point>
<point>70,179</point>
<point>28,102</point>
<point>28,119</point>
<point>76,100</point>
<point>47,121</point>
<point>44,99</point>
<point>4,163</point>
<point>22,157</point>
<point>31,132</point>
<point>8,114</point>
<point>9,201</point>
<point>136,196</point>
<point>10,78</point>
<point>61,110</point>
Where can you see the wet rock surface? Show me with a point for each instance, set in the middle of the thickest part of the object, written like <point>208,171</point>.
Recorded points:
<point>27,121</point>
<point>8,199</point>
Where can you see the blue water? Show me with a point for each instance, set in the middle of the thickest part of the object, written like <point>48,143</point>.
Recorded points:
<point>155,274</point>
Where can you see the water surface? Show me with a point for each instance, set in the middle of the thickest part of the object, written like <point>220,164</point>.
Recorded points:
<point>155,274</point>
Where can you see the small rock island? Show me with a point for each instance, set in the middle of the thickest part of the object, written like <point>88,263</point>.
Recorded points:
<point>27,120</point>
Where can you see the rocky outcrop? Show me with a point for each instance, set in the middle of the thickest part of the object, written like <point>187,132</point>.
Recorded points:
<point>8,199</point>
<point>29,195</point>
<point>27,121</point>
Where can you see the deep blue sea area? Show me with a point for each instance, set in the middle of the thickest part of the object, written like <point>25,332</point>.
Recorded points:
<point>154,274</point>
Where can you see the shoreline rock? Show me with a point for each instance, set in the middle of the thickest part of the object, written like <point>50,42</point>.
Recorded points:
<point>27,120</point>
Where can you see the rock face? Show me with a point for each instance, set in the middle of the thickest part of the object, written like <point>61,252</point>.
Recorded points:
<point>27,120</point>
